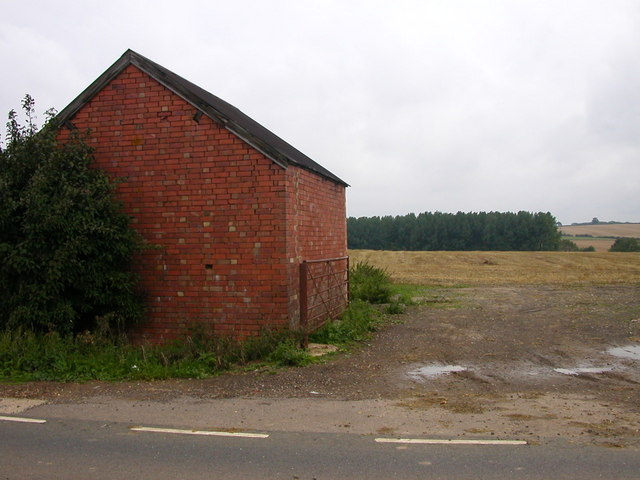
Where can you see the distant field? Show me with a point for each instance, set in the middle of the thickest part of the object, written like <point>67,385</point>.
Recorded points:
<point>602,236</point>
<point>601,244</point>
<point>505,268</point>
<point>606,230</point>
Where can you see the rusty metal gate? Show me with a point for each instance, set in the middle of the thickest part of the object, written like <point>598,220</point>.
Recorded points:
<point>324,291</point>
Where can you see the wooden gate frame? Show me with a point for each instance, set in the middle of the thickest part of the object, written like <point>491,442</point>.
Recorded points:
<point>332,297</point>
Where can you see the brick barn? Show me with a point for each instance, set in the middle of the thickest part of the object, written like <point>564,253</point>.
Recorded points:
<point>232,214</point>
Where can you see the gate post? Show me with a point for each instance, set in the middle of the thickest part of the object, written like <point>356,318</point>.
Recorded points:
<point>304,303</point>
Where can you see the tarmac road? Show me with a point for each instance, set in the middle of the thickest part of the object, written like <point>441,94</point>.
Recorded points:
<point>81,449</point>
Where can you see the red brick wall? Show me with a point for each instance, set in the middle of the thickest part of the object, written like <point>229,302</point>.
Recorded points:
<point>213,208</point>
<point>316,219</point>
<point>226,227</point>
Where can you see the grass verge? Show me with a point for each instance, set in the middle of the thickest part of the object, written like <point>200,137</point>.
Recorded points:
<point>26,356</point>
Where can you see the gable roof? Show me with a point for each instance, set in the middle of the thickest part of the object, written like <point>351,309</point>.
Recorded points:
<point>217,109</point>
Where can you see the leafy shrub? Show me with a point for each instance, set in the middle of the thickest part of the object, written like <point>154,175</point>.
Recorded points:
<point>65,245</point>
<point>370,284</point>
<point>567,245</point>
<point>625,244</point>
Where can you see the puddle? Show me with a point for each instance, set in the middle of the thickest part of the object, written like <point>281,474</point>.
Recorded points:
<point>429,371</point>
<point>579,371</point>
<point>630,351</point>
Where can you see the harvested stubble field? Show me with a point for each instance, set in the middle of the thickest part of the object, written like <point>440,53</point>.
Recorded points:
<point>604,230</point>
<point>600,244</point>
<point>600,236</point>
<point>505,268</point>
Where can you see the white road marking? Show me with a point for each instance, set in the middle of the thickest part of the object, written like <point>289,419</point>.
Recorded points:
<point>22,420</point>
<point>199,432</point>
<point>437,441</point>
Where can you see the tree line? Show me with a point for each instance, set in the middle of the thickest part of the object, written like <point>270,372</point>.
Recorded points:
<point>524,231</point>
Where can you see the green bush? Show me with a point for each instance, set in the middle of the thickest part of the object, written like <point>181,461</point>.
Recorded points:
<point>355,324</point>
<point>370,284</point>
<point>65,245</point>
<point>626,244</point>
<point>567,245</point>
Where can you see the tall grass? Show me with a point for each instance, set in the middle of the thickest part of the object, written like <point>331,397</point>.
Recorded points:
<point>355,324</point>
<point>25,356</point>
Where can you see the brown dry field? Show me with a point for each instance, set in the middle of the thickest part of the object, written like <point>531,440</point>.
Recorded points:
<point>601,244</point>
<point>602,236</point>
<point>505,268</point>
<point>616,230</point>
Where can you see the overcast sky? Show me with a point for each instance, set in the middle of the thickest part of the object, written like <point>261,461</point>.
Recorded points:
<point>451,105</point>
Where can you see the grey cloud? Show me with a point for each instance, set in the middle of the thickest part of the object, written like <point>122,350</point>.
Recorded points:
<point>438,105</point>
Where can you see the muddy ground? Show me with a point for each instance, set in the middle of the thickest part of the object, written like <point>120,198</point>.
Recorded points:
<point>532,362</point>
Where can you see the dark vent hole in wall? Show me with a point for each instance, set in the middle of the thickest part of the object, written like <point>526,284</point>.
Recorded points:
<point>208,266</point>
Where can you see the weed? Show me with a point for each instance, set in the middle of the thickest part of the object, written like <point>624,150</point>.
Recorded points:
<point>369,283</point>
<point>289,354</point>
<point>407,293</point>
<point>355,324</point>
<point>26,356</point>
<point>395,308</point>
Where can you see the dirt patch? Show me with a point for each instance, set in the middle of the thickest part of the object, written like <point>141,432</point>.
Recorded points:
<point>17,405</point>
<point>509,341</point>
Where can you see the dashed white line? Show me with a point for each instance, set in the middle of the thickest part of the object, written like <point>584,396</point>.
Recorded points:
<point>439,441</point>
<point>212,433</point>
<point>199,432</point>
<point>22,420</point>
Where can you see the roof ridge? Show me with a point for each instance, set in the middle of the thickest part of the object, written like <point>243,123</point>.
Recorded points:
<point>233,119</point>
